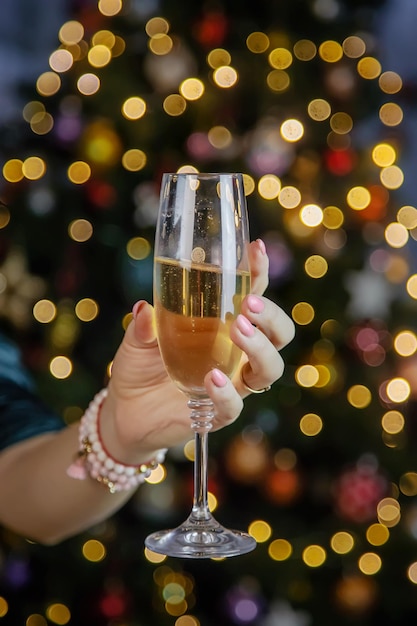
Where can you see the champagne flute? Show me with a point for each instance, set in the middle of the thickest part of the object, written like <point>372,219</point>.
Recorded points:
<point>201,275</point>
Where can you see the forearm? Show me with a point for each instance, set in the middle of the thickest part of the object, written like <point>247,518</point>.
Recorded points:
<point>39,500</point>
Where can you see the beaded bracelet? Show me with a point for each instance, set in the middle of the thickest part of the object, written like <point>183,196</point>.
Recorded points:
<point>94,460</point>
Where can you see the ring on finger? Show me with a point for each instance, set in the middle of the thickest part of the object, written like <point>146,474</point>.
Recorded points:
<point>246,386</point>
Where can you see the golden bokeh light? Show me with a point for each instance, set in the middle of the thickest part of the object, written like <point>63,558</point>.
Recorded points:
<point>257,42</point>
<point>260,530</point>
<point>156,26</point>
<point>88,84</point>
<point>311,424</point>
<point>292,130</point>
<point>192,88</point>
<point>411,286</point>
<point>377,534</point>
<point>396,235</point>
<point>86,309</point>
<point>33,168</point>
<point>61,60</point>
<point>358,198</point>
<point>220,137</point>
<point>248,184</point>
<point>94,550</point>
<point>319,109</point>
<point>79,172</point>
<point>341,123</point>
<point>390,82</point>
<point>109,8</point>
<point>225,76</point>
<point>412,573</point>
<point>393,422</point>
<point>44,311</point>
<point>391,114</point>
<point>278,80</point>
<point>187,620</point>
<point>138,248</point>
<point>342,542</point>
<point>408,484</point>
<point>289,197</point>
<point>4,607</point>
<point>80,230</point>
<point>13,170</point>
<point>311,215</point>
<point>104,38</point>
<point>405,343</point>
<point>398,390</point>
<point>392,177</point>
<point>307,375</point>
<point>305,50</point>
<point>158,475</point>
<point>389,512</point>
<point>314,555</point>
<point>71,32</point>
<point>359,396</point>
<point>174,105</point>
<point>99,56</point>
<point>4,216</point>
<point>370,563</point>
<point>330,51</point>
<point>280,550</point>
<point>303,313</point>
<point>160,44</point>
<point>134,108</point>
<point>32,108</point>
<point>316,266</point>
<point>407,216</point>
<point>384,154</point>
<point>48,84</point>
<point>218,57</point>
<point>369,68</point>
<point>41,123</point>
<point>134,160</point>
<point>154,557</point>
<point>354,46</point>
<point>280,58</point>
<point>58,613</point>
<point>333,217</point>
<point>60,367</point>
<point>269,186</point>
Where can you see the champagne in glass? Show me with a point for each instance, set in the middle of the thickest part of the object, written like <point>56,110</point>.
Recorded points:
<point>201,275</point>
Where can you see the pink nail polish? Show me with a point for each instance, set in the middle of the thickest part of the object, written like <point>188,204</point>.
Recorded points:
<point>262,246</point>
<point>137,307</point>
<point>218,378</point>
<point>245,326</point>
<point>255,304</point>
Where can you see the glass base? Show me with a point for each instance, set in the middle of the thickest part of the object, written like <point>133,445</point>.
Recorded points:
<point>200,539</point>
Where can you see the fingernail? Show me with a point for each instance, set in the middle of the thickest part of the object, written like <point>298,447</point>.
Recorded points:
<point>137,307</point>
<point>255,304</point>
<point>261,245</point>
<point>218,378</point>
<point>245,326</point>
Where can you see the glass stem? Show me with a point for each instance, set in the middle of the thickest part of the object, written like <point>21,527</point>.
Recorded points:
<point>202,413</point>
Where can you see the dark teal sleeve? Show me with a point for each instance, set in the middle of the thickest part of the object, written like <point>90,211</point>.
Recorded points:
<point>22,413</point>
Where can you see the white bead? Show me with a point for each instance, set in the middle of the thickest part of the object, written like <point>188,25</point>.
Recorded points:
<point>109,463</point>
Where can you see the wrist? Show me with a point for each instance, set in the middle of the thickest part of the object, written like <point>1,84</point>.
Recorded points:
<point>95,460</point>
<point>117,437</point>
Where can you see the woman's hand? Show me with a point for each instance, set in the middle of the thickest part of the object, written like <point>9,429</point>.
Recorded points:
<point>144,411</point>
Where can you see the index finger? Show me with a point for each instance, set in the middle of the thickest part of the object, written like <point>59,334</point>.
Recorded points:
<point>259,266</point>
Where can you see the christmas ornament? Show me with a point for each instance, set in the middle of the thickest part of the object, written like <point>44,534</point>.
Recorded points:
<point>357,492</point>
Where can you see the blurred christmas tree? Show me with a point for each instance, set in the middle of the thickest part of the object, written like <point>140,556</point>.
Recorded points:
<point>293,94</point>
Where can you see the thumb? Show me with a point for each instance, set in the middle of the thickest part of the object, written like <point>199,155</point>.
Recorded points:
<point>141,331</point>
